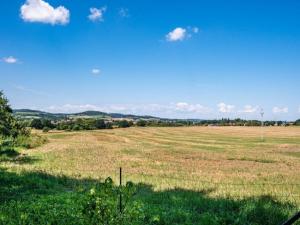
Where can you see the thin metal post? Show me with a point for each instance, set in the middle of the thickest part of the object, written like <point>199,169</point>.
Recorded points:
<point>120,189</point>
<point>262,124</point>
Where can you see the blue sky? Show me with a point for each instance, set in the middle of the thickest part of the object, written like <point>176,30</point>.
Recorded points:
<point>180,59</point>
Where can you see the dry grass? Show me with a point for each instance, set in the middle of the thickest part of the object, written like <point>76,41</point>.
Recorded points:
<point>229,160</point>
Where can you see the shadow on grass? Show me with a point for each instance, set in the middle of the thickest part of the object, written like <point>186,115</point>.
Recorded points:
<point>46,199</point>
<point>11,155</point>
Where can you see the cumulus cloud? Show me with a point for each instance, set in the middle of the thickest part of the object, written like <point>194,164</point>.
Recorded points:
<point>141,109</point>
<point>96,14</point>
<point>10,60</point>
<point>224,108</point>
<point>180,34</point>
<point>249,109</point>
<point>277,109</point>
<point>96,71</point>
<point>43,12</point>
<point>70,108</point>
<point>193,108</point>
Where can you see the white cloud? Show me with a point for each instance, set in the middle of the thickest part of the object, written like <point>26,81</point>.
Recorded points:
<point>96,71</point>
<point>96,14</point>
<point>224,108</point>
<point>69,108</point>
<point>249,109</point>
<point>140,109</point>
<point>123,12</point>
<point>10,59</point>
<point>191,108</point>
<point>299,109</point>
<point>280,110</point>
<point>41,11</point>
<point>72,108</point>
<point>178,34</point>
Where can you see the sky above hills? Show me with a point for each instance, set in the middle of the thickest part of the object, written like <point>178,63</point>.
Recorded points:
<point>177,59</point>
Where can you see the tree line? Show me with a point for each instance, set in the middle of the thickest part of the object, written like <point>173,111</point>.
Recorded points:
<point>95,124</point>
<point>77,124</point>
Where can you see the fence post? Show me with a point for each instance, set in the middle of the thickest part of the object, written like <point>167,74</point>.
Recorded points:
<point>120,189</point>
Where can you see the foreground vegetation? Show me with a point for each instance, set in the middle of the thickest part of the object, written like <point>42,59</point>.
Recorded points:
<point>40,198</point>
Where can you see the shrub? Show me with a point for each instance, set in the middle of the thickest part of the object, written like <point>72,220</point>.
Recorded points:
<point>141,123</point>
<point>32,141</point>
<point>123,124</point>
<point>101,205</point>
<point>76,127</point>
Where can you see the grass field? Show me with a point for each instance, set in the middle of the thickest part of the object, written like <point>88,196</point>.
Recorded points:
<point>219,165</point>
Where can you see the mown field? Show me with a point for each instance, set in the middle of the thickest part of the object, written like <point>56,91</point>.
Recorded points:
<point>185,175</point>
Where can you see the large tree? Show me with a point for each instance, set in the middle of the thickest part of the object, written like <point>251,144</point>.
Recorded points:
<point>8,124</point>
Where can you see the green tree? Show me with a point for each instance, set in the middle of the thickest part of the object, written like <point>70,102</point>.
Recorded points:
<point>8,124</point>
<point>37,124</point>
<point>47,123</point>
<point>123,124</point>
<point>141,123</point>
<point>100,124</point>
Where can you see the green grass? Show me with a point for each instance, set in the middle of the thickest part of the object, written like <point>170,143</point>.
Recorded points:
<point>40,198</point>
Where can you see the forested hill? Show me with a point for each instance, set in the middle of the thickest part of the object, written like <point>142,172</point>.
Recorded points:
<point>36,114</point>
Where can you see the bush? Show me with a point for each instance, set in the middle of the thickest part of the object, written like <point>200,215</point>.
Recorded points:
<point>141,123</point>
<point>123,124</point>
<point>101,205</point>
<point>76,127</point>
<point>32,141</point>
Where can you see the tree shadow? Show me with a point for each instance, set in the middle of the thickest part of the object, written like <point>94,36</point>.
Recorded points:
<point>13,156</point>
<point>22,192</point>
<point>180,206</point>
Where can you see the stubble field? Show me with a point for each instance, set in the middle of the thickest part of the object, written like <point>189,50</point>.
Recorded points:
<point>231,160</point>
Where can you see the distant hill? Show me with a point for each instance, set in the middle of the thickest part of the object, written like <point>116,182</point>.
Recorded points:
<point>35,114</point>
